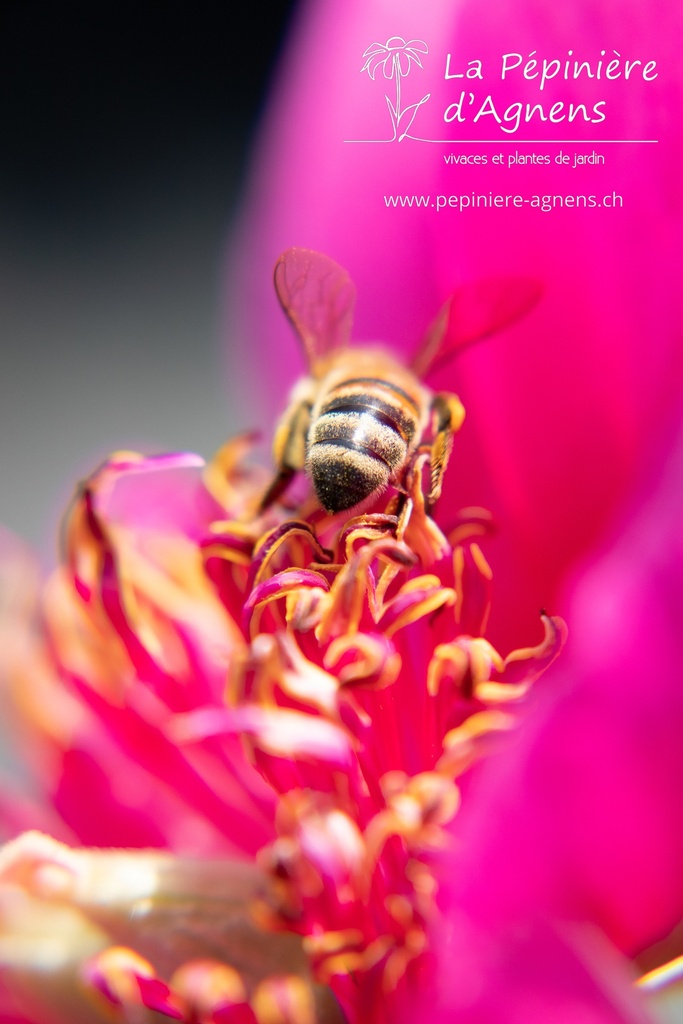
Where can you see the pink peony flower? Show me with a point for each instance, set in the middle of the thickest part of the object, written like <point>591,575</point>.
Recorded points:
<point>284,703</point>
<point>574,409</point>
<point>311,799</point>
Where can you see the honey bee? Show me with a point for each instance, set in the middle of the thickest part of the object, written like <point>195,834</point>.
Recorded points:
<point>356,422</point>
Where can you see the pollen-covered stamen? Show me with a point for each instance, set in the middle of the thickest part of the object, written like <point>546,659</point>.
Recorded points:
<point>212,991</point>
<point>272,591</point>
<point>417,808</point>
<point>318,866</point>
<point>346,954</point>
<point>367,659</point>
<point>144,597</point>
<point>215,993</point>
<point>298,536</point>
<point>473,578</point>
<point>230,541</point>
<point>528,663</point>
<point>522,667</point>
<point>462,666</point>
<point>412,814</point>
<point>472,740</point>
<point>126,980</point>
<point>227,553</point>
<point>333,842</point>
<point>327,882</point>
<point>417,598</point>
<point>361,529</point>
<point>329,873</point>
<point>84,539</point>
<point>207,990</point>
<point>410,943</point>
<point>304,609</point>
<point>473,670</point>
<point>275,662</point>
<point>354,588</point>
<point>234,483</point>
<point>347,656</point>
<point>416,527</point>
<point>469,523</point>
<point>285,1000</point>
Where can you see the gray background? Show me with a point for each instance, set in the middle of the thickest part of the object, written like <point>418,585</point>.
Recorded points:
<point>124,137</point>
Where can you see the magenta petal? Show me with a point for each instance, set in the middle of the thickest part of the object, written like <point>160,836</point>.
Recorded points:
<point>537,976</point>
<point>279,731</point>
<point>83,797</point>
<point>234,1014</point>
<point>156,995</point>
<point>143,738</point>
<point>485,307</point>
<point>163,493</point>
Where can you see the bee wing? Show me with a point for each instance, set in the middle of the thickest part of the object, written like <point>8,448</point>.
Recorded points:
<point>318,297</point>
<point>473,312</point>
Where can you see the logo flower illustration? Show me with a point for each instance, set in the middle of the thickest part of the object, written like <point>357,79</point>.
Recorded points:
<point>395,58</point>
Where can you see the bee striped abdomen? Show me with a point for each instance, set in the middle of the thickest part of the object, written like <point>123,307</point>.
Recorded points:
<point>360,436</point>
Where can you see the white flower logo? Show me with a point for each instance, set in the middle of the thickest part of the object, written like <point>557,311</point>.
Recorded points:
<point>395,58</point>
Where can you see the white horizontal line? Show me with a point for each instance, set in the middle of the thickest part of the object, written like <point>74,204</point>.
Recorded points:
<point>524,142</point>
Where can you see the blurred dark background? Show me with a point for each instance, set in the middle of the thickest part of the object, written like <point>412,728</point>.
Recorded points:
<point>124,137</point>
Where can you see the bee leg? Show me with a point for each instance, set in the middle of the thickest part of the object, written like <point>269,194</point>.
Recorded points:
<point>448,414</point>
<point>278,485</point>
<point>289,450</point>
<point>404,511</point>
